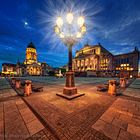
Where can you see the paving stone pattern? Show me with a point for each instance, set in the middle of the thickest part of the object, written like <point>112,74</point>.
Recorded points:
<point>134,89</point>
<point>17,121</point>
<point>66,125</point>
<point>45,116</point>
<point>121,121</point>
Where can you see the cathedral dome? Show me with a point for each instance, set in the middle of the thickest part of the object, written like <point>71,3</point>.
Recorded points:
<point>31,45</point>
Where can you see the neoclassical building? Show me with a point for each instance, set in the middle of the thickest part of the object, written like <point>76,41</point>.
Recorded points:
<point>96,60</point>
<point>127,64</point>
<point>30,66</point>
<point>93,58</point>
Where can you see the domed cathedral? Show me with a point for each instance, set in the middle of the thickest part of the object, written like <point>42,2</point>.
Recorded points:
<point>33,67</point>
<point>31,54</point>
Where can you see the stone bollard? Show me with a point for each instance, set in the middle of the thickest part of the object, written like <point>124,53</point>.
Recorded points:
<point>28,88</point>
<point>13,81</point>
<point>18,83</point>
<point>127,81</point>
<point>122,82</point>
<point>112,87</point>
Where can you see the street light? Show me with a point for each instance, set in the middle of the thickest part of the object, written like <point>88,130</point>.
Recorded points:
<point>70,30</point>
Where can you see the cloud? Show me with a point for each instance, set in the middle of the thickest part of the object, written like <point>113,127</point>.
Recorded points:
<point>119,24</point>
<point>124,49</point>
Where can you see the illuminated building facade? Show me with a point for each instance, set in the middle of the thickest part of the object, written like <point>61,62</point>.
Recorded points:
<point>29,67</point>
<point>127,65</point>
<point>31,54</point>
<point>9,69</point>
<point>97,61</point>
<point>32,66</point>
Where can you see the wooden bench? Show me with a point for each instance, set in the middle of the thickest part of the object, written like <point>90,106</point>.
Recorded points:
<point>37,88</point>
<point>102,88</point>
<point>22,83</point>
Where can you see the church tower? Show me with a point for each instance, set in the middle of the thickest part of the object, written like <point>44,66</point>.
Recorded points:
<point>31,54</point>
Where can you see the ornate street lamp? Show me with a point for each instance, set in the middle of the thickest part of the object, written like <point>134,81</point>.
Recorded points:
<point>70,30</point>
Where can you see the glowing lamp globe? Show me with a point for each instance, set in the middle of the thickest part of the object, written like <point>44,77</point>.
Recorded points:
<point>59,21</point>
<point>69,18</point>
<point>62,35</point>
<point>56,29</point>
<point>83,29</point>
<point>81,21</point>
<point>79,35</point>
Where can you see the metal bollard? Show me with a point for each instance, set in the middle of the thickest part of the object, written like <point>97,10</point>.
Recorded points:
<point>18,84</point>
<point>122,82</point>
<point>28,88</point>
<point>112,87</point>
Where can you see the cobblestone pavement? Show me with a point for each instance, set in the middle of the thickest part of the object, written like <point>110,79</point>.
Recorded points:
<point>17,121</point>
<point>45,116</point>
<point>71,119</point>
<point>77,119</point>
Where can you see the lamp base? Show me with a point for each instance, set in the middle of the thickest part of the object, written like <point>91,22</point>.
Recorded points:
<point>70,91</point>
<point>70,97</point>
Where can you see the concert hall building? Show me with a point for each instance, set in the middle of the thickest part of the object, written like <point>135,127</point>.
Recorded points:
<point>97,61</point>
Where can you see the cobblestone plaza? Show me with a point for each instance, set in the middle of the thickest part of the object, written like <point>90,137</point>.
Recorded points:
<point>94,116</point>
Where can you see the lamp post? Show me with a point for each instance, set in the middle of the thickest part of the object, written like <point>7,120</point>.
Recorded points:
<point>70,30</point>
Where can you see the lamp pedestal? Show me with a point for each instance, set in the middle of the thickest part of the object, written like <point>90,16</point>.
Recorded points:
<point>70,91</point>
<point>70,88</point>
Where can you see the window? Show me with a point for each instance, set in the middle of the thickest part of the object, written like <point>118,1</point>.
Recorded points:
<point>127,60</point>
<point>119,61</point>
<point>4,69</point>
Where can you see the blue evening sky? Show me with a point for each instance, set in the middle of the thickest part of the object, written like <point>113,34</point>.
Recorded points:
<point>113,23</point>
